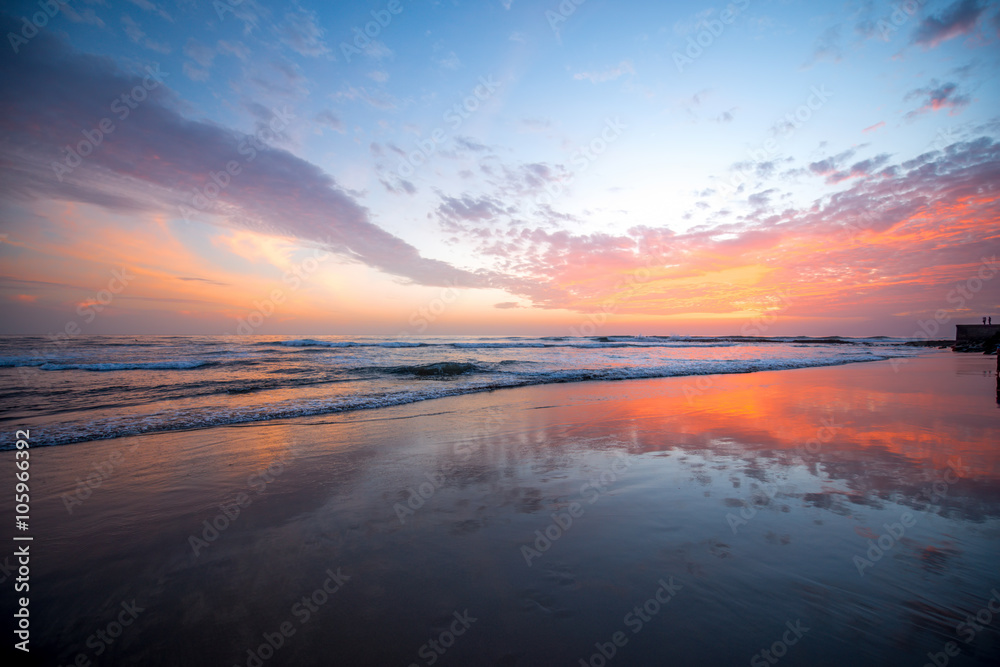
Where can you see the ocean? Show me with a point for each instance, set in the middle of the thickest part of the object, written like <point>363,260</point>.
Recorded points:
<point>97,387</point>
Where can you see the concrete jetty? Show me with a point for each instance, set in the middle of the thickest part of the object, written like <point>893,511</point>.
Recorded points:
<point>976,337</point>
<point>975,333</point>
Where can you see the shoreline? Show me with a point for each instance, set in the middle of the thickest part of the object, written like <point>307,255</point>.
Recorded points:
<point>216,534</point>
<point>306,414</point>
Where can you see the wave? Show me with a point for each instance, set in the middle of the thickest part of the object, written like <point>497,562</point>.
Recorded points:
<point>129,366</point>
<point>597,344</point>
<point>221,415</point>
<point>16,362</point>
<point>311,342</point>
<point>442,368</point>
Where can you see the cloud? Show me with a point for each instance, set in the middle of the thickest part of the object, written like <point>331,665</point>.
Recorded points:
<point>858,169</point>
<point>937,97</point>
<point>534,125</point>
<point>330,119</point>
<point>377,50</point>
<point>958,19</point>
<point>398,185</point>
<point>877,126</point>
<point>157,157</point>
<point>198,52</point>
<point>449,61</point>
<point>725,116</point>
<point>761,199</point>
<point>132,29</point>
<point>610,74</point>
<point>827,47</point>
<point>278,77</point>
<point>470,144</point>
<point>504,305</point>
<point>203,280</point>
<point>151,7</point>
<point>829,165</point>
<point>135,33</point>
<point>379,100</point>
<point>467,208</point>
<point>924,222</point>
<point>301,33</point>
<point>698,98</point>
<point>238,49</point>
<point>87,16</point>
<point>761,170</point>
<point>194,73</point>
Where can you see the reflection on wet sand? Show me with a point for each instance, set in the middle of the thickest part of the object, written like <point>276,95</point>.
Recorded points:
<point>754,498</point>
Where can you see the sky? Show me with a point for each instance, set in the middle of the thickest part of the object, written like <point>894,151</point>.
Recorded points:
<point>420,167</point>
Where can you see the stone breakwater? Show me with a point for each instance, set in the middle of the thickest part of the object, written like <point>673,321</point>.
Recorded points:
<point>977,338</point>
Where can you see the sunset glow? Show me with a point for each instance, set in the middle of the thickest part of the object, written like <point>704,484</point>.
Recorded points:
<point>804,168</point>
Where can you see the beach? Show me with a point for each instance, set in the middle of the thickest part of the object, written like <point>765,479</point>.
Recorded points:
<point>500,334</point>
<point>836,515</point>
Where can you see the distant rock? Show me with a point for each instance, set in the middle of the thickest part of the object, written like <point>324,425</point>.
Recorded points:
<point>443,368</point>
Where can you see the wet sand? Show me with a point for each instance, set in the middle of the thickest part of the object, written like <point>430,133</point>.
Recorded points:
<point>692,521</point>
